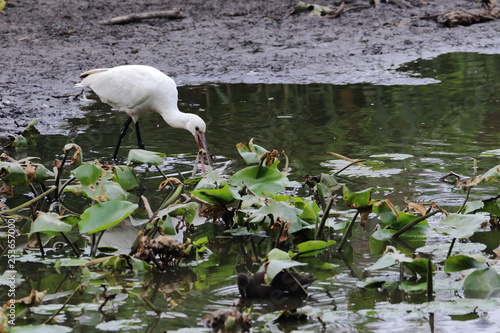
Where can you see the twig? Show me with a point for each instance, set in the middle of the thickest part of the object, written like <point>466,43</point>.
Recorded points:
<point>357,162</point>
<point>80,286</point>
<point>171,14</point>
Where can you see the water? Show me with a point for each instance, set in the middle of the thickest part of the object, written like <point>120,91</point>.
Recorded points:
<point>442,127</point>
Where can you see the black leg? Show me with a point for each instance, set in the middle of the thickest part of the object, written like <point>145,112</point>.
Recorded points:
<point>123,131</point>
<point>140,143</point>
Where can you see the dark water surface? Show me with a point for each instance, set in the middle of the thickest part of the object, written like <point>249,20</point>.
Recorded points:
<point>427,130</point>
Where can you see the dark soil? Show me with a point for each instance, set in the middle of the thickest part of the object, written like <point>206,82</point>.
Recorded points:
<point>46,44</point>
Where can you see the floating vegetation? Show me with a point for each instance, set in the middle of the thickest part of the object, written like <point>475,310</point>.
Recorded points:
<point>279,234</point>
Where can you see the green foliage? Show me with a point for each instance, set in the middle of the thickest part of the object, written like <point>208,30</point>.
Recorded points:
<point>105,215</point>
<point>142,156</point>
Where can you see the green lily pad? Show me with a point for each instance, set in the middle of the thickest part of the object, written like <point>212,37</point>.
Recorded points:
<point>142,156</point>
<point>105,215</point>
<point>125,176</point>
<point>357,199</point>
<point>220,196</point>
<point>389,259</point>
<point>461,262</point>
<point>50,224</point>
<point>87,173</point>
<point>259,179</point>
<point>461,225</point>
<point>13,174</point>
<point>482,283</point>
<point>251,154</point>
<point>311,248</point>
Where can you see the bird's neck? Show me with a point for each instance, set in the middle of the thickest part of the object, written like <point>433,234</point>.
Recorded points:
<point>174,117</point>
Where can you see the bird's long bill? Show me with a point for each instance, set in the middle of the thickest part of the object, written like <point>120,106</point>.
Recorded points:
<point>202,146</point>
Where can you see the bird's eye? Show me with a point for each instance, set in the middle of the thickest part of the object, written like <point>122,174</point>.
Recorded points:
<point>197,128</point>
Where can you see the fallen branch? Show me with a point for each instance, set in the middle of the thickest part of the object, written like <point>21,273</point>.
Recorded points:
<point>468,17</point>
<point>171,14</point>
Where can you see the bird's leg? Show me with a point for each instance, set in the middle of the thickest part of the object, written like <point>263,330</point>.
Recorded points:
<point>123,131</point>
<point>140,143</point>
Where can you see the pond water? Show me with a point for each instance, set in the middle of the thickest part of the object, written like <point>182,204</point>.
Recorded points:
<point>415,134</point>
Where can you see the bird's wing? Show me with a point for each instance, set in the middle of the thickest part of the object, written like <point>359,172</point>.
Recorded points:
<point>124,89</point>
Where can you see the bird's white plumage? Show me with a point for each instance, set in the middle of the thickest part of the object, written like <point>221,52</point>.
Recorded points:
<point>139,89</point>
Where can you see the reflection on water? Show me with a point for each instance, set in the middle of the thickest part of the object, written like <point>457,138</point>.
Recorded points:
<point>440,127</point>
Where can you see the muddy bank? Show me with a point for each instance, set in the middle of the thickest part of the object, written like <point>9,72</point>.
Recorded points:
<point>46,44</point>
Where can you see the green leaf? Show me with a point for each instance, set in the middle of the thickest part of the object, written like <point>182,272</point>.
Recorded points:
<point>472,206</point>
<point>482,283</point>
<point>187,211</point>
<point>142,156</point>
<point>273,267</point>
<point>87,173</point>
<point>277,254</point>
<point>49,223</point>
<point>221,196</point>
<point>389,259</point>
<point>105,191</point>
<point>105,215</point>
<point>359,199</point>
<point>461,226</point>
<point>460,263</point>
<point>251,154</point>
<point>491,207</point>
<point>279,209</point>
<point>41,173</point>
<point>125,176</point>
<point>311,248</point>
<point>492,175</point>
<point>13,174</point>
<point>418,267</point>
<point>259,179</point>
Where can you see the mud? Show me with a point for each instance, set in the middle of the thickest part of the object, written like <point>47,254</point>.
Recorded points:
<point>46,44</point>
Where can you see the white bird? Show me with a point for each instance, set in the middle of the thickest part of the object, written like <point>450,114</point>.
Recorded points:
<point>139,89</point>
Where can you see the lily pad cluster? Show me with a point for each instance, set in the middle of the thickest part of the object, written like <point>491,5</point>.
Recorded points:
<point>75,202</point>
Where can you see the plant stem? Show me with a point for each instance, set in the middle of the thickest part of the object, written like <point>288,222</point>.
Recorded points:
<point>429,280</point>
<point>59,174</point>
<point>465,201</point>
<point>347,232</point>
<point>326,213</point>
<point>73,246</point>
<point>39,241</point>
<point>27,203</point>
<point>451,247</point>
<point>410,225</point>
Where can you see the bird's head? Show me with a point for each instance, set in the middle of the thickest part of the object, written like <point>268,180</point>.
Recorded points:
<point>197,127</point>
